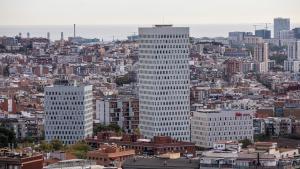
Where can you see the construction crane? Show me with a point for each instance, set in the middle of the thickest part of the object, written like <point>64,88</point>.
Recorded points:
<point>267,25</point>
<point>255,27</point>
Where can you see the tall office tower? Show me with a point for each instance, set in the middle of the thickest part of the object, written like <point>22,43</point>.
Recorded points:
<point>280,24</point>
<point>68,111</point>
<point>28,35</point>
<point>292,64</point>
<point>62,36</point>
<point>264,33</point>
<point>164,82</point>
<point>48,35</point>
<point>261,56</point>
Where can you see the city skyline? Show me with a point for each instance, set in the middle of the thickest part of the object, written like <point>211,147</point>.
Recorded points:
<point>45,12</point>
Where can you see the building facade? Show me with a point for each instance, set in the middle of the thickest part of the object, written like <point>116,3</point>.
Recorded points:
<point>279,25</point>
<point>122,111</point>
<point>164,82</point>
<point>264,33</point>
<point>209,126</point>
<point>261,56</point>
<point>292,63</point>
<point>68,111</point>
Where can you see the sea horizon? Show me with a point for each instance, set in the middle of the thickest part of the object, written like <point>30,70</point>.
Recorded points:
<point>109,32</point>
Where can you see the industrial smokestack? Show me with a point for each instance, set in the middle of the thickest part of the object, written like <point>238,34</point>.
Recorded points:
<point>74,30</point>
<point>48,35</point>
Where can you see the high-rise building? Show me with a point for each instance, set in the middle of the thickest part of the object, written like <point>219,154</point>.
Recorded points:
<point>296,33</point>
<point>261,56</point>
<point>264,33</point>
<point>237,37</point>
<point>292,64</point>
<point>213,125</point>
<point>164,82</point>
<point>280,24</point>
<point>68,111</point>
<point>286,35</point>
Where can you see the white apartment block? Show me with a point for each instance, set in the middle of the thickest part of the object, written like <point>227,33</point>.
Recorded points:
<point>210,126</point>
<point>261,56</point>
<point>164,93</point>
<point>292,64</point>
<point>68,111</point>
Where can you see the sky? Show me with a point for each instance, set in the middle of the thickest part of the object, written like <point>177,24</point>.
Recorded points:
<point>101,12</point>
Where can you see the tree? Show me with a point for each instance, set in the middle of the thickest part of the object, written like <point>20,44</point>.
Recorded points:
<point>261,137</point>
<point>126,79</point>
<point>7,137</point>
<point>46,147</point>
<point>115,127</point>
<point>279,59</point>
<point>111,127</point>
<point>56,145</point>
<point>246,143</point>
<point>137,131</point>
<point>79,149</point>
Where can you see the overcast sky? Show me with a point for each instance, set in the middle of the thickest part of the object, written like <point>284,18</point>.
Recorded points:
<point>97,12</point>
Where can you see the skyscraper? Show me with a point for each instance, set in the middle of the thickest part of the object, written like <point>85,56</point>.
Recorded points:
<point>279,25</point>
<point>68,111</point>
<point>164,82</point>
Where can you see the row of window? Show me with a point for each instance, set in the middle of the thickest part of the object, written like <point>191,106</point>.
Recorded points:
<point>168,77</point>
<point>164,36</point>
<point>65,124</point>
<point>164,46</point>
<point>70,113</point>
<point>65,137</point>
<point>162,124</point>
<point>165,93</point>
<point>163,41</point>
<point>164,57</point>
<point>146,107</point>
<point>66,93</point>
<point>157,113</point>
<point>164,51</point>
<point>180,97</point>
<point>155,68</point>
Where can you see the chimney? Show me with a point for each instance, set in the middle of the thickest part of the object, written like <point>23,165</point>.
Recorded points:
<point>74,30</point>
<point>62,36</point>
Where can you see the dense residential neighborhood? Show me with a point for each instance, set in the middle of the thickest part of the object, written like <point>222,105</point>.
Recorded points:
<point>160,99</point>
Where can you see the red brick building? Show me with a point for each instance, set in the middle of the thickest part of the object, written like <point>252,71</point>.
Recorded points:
<point>8,161</point>
<point>159,144</point>
<point>108,155</point>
